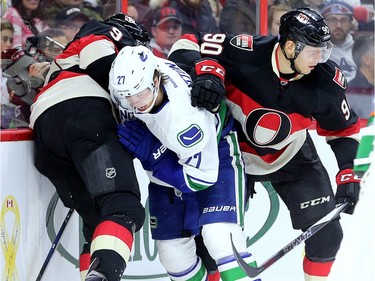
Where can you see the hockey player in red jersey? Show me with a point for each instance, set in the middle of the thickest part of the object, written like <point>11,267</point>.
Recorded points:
<point>77,148</point>
<point>275,88</point>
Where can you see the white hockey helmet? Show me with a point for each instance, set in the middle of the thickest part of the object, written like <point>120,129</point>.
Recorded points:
<point>132,76</point>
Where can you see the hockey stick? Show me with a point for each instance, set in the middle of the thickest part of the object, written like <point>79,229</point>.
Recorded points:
<point>253,271</point>
<point>54,244</point>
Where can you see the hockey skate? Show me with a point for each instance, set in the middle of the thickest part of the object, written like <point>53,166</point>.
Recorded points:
<point>94,275</point>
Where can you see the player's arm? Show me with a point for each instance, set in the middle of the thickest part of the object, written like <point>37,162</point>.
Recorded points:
<point>336,120</point>
<point>340,125</point>
<point>155,157</point>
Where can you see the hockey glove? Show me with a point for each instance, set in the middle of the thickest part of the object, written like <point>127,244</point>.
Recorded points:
<point>347,188</point>
<point>208,85</point>
<point>142,144</point>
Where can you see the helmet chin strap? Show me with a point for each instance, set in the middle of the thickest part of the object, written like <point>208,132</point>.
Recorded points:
<point>291,60</point>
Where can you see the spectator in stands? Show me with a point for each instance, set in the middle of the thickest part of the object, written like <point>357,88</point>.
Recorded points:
<point>132,11</point>
<point>274,14</point>
<point>197,15</point>
<point>27,70</point>
<point>70,21</point>
<point>54,7</point>
<point>26,17</point>
<point>7,31</point>
<point>339,18</point>
<point>365,18</point>
<point>314,4</point>
<point>11,115</point>
<point>95,5</point>
<point>238,16</point>
<point>360,92</point>
<point>217,7</point>
<point>166,30</point>
<point>137,9</point>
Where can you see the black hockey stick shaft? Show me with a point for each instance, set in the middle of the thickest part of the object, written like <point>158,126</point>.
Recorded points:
<point>54,244</point>
<point>253,271</point>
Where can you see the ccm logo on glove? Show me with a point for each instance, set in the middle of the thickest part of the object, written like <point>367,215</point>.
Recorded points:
<point>211,67</point>
<point>347,176</point>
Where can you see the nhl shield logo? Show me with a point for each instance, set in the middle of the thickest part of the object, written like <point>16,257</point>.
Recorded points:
<point>110,172</point>
<point>243,42</point>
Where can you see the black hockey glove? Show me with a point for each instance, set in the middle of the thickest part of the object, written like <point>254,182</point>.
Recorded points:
<point>208,85</point>
<point>347,188</point>
<point>142,144</point>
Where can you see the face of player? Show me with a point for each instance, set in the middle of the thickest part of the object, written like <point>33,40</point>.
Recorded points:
<point>310,56</point>
<point>142,101</point>
<point>52,50</point>
<point>6,39</point>
<point>145,100</point>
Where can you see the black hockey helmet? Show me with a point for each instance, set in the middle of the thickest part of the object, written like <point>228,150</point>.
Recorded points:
<point>306,26</point>
<point>138,32</point>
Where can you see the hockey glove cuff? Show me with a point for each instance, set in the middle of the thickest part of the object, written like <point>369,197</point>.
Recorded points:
<point>208,84</point>
<point>347,188</point>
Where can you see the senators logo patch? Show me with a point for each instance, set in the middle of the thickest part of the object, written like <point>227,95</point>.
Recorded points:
<point>340,79</point>
<point>243,42</point>
<point>267,127</point>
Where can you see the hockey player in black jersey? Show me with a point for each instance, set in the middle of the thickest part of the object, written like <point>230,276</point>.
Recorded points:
<point>77,148</point>
<point>276,87</point>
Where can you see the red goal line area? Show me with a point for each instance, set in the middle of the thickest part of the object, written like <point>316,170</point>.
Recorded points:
<point>23,134</point>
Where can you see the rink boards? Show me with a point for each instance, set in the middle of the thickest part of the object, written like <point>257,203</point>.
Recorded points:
<point>31,215</point>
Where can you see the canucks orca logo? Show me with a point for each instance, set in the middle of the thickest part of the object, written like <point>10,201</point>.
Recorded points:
<point>190,136</point>
<point>143,56</point>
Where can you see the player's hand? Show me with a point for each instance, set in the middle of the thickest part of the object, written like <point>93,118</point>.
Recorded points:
<point>347,188</point>
<point>142,144</point>
<point>39,69</point>
<point>208,85</point>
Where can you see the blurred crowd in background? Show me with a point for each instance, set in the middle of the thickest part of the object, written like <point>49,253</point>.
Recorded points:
<point>34,32</point>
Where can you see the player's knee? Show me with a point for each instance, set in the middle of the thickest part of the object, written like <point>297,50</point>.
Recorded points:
<point>123,205</point>
<point>177,255</point>
<point>324,245</point>
<point>216,237</point>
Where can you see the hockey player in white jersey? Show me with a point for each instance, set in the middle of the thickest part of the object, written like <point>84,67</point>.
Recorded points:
<point>193,160</point>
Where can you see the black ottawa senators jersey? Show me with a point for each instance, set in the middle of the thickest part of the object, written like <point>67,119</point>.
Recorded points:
<point>86,62</point>
<point>119,35</point>
<point>93,50</point>
<point>273,112</point>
